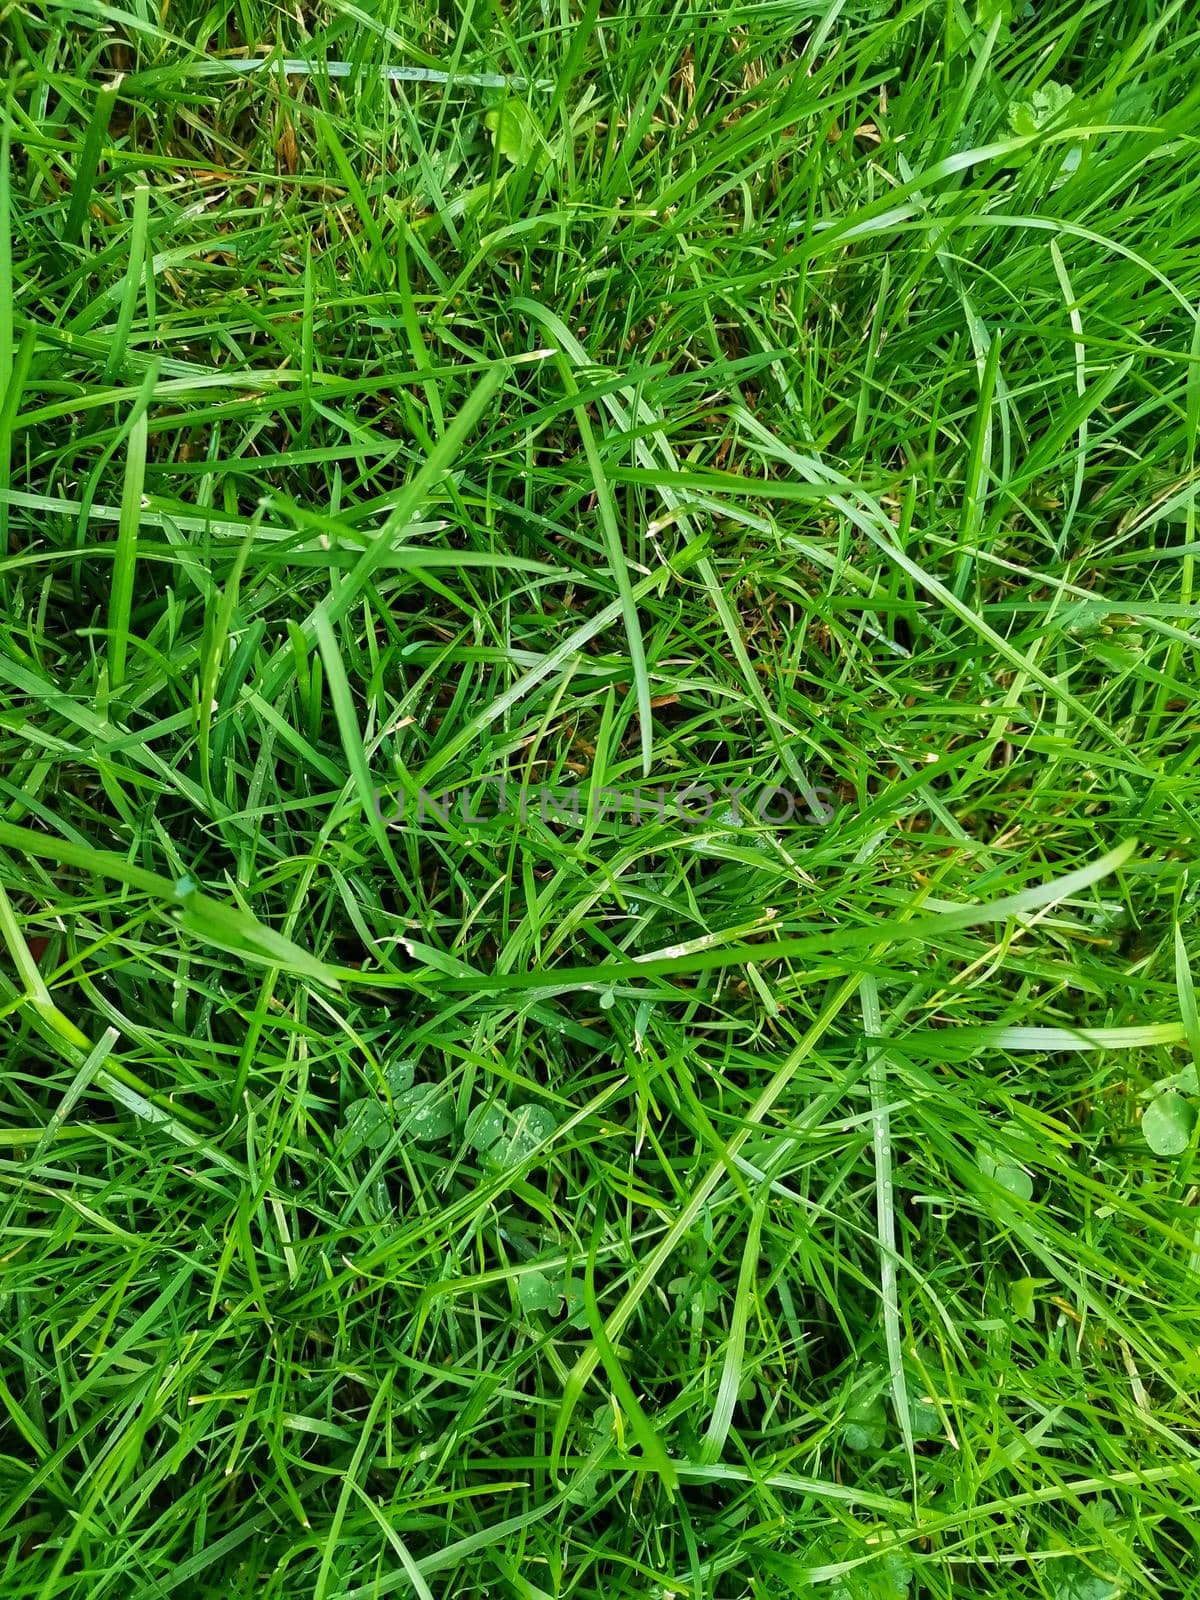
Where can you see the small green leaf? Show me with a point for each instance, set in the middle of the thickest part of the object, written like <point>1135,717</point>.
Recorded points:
<point>700,1293</point>
<point>514,131</point>
<point>485,1128</point>
<point>573,1306</point>
<point>399,1076</point>
<point>1071,1580</point>
<point>866,1425</point>
<point>925,1419</point>
<point>1185,1081</point>
<point>1005,1173</point>
<point>1022,1292</point>
<point>1167,1124</point>
<point>586,1485</point>
<point>367,1126</point>
<point>535,1292</point>
<point>1039,109</point>
<point>427,1111</point>
<point>989,12</point>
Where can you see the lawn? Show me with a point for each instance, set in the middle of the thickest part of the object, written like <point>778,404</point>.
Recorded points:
<point>599,800</point>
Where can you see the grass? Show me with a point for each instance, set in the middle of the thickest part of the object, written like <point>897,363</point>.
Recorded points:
<point>417,1197</point>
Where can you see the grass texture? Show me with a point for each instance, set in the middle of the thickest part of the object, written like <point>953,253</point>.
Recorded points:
<point>404,1194</point>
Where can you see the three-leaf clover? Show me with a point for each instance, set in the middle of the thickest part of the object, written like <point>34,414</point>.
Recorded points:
<point>424,1110</point>
<point>506,1136</point>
